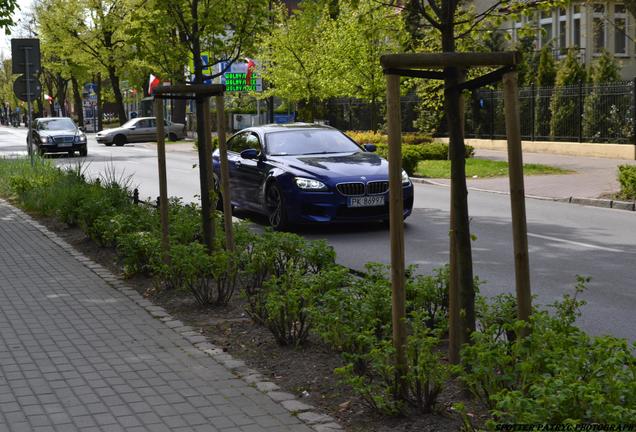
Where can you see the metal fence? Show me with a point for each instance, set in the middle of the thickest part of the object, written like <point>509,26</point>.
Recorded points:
<point>581,112</point>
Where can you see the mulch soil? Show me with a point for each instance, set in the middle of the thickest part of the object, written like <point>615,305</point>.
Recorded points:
<point>306,372</point>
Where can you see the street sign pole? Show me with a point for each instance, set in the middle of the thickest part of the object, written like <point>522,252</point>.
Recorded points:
<point>27,60</point>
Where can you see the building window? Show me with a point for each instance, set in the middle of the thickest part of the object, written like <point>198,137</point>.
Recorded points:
<point>545,26</point>
<point>562,31</point>
<point>620,30</point>
<point>576,27</point>
<point>598,28</point>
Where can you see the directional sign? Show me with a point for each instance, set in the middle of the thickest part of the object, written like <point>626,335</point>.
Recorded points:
<point>20,88</point>
<point>21,49</point>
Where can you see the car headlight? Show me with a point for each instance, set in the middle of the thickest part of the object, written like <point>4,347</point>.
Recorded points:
<point>44,139</point>
<point>309,184</point>
<point>405,178</point>
<point>80,138</point>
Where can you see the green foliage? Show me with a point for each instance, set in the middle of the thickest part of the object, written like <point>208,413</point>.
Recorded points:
<point>378,385</point>
<point>140,251</point>
<point>210,278</point>
<point>273,254</point>
<point>597,121</point>
<point>370,137</point>
<point>627,180</point>
<point>289,298</point>
<point>564,108</point>
<point>413,154</point>
<point>545,78</point>
<point>556,374</point>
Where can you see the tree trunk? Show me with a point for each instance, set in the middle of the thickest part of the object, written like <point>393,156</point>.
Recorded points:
<point>61,85</point>
<point>459,193</point>
<point>77,101</point>
<point>98,85</point>
<point>119,100</point>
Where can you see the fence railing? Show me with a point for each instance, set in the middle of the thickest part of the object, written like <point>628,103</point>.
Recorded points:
<point>581,112</point>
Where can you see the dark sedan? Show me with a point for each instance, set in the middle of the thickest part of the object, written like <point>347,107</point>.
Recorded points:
<point>308,173</point>
<point>57,135</point>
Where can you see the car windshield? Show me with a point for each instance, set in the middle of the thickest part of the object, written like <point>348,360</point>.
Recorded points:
<point>131,122</point>
<point>309,141</point>
<point>56,124</point>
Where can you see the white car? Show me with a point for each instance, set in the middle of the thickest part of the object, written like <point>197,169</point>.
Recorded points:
<point>141,129</point>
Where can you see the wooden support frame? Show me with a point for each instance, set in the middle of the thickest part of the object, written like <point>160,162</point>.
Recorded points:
<point>396,65</point>
<point>202,94</point>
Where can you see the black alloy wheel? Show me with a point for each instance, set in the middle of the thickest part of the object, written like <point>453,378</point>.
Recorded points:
<point>276,213</point>
<point>83,151</point>
<point>172,136</point>
<point>119,140</point>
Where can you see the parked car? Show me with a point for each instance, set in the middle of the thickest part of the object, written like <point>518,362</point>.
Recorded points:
<point>57,135</point>
<point>140,129</point>
<point>308,173</point>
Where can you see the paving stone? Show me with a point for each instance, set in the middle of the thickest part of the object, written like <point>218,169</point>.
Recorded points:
<point>267,386</point>
<point>296,406</point>
<point>87,354</point>
<point>310,417</point>
<point>327,427</point>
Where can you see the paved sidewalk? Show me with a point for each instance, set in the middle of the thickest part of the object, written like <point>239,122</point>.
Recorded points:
<point>78,355</point>
<point>593,178</point>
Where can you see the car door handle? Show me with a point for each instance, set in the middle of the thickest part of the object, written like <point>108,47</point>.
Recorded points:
<point>237,164</point>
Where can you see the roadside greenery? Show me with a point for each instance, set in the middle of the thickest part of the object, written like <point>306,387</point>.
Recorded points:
<point>481,168</point>
<point>557,374</point>
<point>627,180</point>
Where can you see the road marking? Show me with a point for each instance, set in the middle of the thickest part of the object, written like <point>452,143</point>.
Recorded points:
<point>587,245</point>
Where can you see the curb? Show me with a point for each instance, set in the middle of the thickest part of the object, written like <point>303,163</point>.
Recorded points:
<point>592,202</point>
<point>308,414</point>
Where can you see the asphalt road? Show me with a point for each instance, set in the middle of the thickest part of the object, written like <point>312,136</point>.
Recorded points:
<point>565,240</point>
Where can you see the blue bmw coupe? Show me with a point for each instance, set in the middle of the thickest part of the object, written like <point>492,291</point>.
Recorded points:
<point>308,173</point>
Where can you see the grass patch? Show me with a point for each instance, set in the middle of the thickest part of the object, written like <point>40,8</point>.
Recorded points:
<point>481,168</point>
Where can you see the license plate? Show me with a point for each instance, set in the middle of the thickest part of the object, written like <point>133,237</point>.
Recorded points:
<point>65,144</point>
<point>366,201</point>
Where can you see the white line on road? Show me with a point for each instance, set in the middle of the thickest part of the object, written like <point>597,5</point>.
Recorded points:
<point>587,245</point>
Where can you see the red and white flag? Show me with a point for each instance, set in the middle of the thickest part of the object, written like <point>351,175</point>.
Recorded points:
<point>152,83</point>
<point>48,98</point>
<point>250,69</point>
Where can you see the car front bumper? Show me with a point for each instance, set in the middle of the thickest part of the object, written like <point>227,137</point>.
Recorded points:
<point>60,148</point>
<point>326,207</point>
<point>104,139</point>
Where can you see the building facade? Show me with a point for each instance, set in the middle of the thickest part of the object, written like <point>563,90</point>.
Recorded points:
<point>588,27</point>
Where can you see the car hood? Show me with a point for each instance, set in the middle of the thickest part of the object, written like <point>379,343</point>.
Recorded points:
<point>113,130</point>
<point>338,165</point>
<point>55,133</point>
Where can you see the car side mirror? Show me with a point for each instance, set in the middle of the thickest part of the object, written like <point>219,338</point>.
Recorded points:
<point>132,127</point>
<point>249,154</point>
<point>82,129</point>
<point>370,147</point>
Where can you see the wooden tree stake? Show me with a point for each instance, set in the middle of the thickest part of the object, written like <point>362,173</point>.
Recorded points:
<point>396,210</point>
<point>163,183</point>
<point>517,197</point>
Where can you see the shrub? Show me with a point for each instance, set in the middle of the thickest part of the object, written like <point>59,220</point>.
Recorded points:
<point>271,255</point>
<point>140,251</point>
<point>289,298</point>
<point>413,154</point>
<point>370,137</point>
<point>546,74</point>
<point>596,121</point>
<point>563,105</point>
<point>627,180</point>
<point>556,374</point>
<point>210,278</point>
<point>378,386</point>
